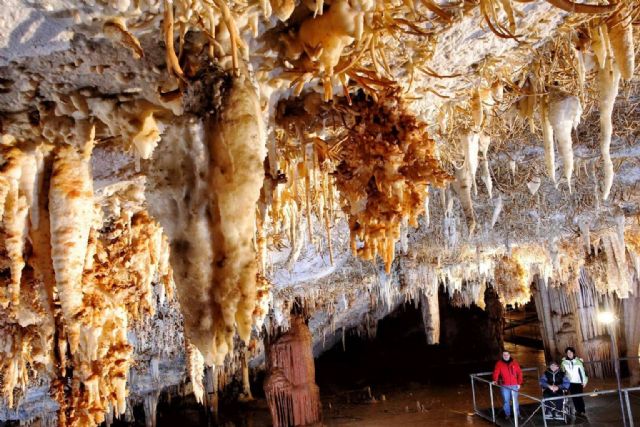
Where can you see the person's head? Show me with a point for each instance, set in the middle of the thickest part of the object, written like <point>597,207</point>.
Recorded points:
<point>570,352</point>
<point>553,366</point>
<point>506,356</point>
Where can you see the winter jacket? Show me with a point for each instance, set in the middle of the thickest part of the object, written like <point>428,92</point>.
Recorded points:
<point>558,378</point>
<point>574,368</point>
<point>507,373</point>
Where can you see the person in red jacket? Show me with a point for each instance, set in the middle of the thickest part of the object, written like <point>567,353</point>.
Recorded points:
<point>508,375</point>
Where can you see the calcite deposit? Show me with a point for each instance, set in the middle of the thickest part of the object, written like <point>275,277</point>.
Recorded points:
<point>176,176</point>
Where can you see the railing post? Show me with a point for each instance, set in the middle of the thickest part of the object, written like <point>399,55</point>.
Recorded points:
<point>493,409</point>
<point>514,409</point>
<point>543,410</point>
<point>626,399</point>
<point>473,391</point>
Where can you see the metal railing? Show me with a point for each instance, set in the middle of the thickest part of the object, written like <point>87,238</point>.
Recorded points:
<point>543,403</point>
<point>478,377</point>
<point>627,402</point>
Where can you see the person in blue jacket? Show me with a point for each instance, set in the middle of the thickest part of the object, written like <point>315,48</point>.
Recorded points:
<point>554,382</point>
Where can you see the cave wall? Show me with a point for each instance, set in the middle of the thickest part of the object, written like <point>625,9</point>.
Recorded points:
<point>570,319</point>
<point>471,334</point>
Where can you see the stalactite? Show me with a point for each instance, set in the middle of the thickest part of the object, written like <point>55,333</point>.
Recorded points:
<point>511,281</point>
<point>102,276</point>
<point>547,136</point>
<point>608,83</point>
<point>212,229</point>
<point>485,142</point>
<point>195,367</point>
<point>19,172</point>
<point>462,186</point>
<point>471,147</point>
<point>620,28</point>
<point>237,147</point>
<point>429,306</point>
<point>71,213</point>
<point>564,115</point>
<point>387,162</point>
<point>427,210</point>
<point>292,395</point>
<point>497,210</point>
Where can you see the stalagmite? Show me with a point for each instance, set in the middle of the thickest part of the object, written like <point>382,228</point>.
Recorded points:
<point>71,213</point>
<point>246,385</point>
<point>608,82</point>
<point>292,395</point>
<point>212,386</point>
<point>564,115</point>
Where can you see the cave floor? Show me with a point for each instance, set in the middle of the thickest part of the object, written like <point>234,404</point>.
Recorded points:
<point>452,405</point>
<point>414,404</point>
<point>419,404</point>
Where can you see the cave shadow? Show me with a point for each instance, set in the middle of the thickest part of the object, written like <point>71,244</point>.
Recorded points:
<point>399,356</point>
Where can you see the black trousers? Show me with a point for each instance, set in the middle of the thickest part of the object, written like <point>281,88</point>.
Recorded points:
<point>578,402</point>
<point>555,404</point>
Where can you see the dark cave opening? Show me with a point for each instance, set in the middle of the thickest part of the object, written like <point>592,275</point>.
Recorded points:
<point>470,340</point>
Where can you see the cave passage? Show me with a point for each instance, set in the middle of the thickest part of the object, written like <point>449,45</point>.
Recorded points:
<point>469,342</point>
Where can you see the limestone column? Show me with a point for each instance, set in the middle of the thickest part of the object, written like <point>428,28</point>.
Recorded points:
<point>292,394</point>
<point>543,309</point>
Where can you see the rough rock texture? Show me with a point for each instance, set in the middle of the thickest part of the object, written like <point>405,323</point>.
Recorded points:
<point>132,143</point>
<point>290,387</point>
